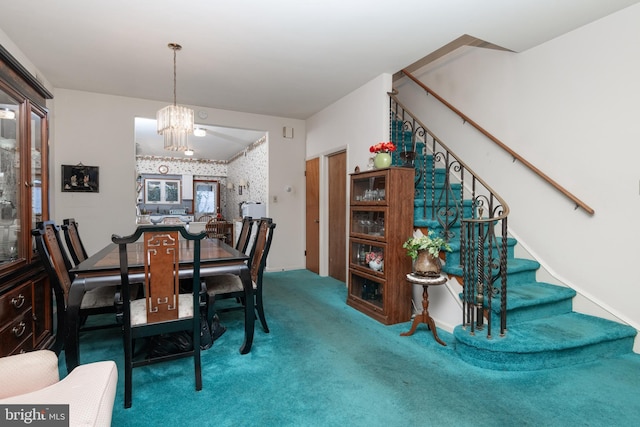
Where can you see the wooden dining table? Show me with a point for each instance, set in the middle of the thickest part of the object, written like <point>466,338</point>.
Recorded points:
<point>103,269</point>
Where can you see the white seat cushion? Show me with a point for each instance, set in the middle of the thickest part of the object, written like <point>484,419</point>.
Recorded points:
<point>100,297</point>
<point>224,284</point>
<point>139,311</point>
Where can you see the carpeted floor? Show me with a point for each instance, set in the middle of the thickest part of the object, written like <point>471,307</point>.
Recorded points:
<point>326,364</point>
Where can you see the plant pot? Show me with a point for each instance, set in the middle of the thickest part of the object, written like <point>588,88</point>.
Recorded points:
<point>382,160</point>
<point>427,265</point>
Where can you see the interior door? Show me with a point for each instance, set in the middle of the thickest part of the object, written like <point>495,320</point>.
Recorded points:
<point>312,221</point>
<point>337,185</point>
<point>206,198</point>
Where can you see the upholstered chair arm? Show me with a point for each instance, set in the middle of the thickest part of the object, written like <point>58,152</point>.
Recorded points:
<point>27,372</point>
<point>89,389</point>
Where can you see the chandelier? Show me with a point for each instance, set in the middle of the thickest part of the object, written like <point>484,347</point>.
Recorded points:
<point>175,122</point>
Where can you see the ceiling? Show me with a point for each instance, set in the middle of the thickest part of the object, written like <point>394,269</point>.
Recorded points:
<point>218,143</point>
<point>287,58</point>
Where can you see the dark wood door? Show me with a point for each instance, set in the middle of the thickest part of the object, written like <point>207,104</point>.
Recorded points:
<point>337,215</point>
<point>312,221</point>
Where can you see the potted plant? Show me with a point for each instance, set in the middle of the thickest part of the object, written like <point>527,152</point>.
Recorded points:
<point>425,251</point>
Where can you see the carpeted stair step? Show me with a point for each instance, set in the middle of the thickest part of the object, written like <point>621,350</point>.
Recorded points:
<point>453,257</point>
<point>519,271</point>
<point>532,301</point>
<point>551,342</point>
<point>453,193</point>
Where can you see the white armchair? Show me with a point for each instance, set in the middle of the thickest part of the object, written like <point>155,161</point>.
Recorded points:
<point>32,378</point>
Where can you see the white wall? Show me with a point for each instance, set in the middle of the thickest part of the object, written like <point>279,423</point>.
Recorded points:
<point>570,107</point>
<point>354,123</point>
<point>98,130</point>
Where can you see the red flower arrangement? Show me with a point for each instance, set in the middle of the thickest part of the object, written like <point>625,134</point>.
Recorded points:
<point>382,147</point>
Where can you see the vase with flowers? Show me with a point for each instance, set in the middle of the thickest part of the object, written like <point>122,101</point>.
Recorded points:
<point>425,251</point>
<point>382,151</point>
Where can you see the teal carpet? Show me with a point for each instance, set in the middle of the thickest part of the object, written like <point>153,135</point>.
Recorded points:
<point>326,364</point>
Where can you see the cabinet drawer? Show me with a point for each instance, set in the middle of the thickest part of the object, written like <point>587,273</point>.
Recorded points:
<point>16,333</point>
<point>15,302</point>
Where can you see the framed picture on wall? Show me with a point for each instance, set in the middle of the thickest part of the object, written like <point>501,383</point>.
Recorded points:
<point>80,178</point>
<point>162,191</point>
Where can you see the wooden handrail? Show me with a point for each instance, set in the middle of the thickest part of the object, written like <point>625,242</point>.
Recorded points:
<point>579,203</point>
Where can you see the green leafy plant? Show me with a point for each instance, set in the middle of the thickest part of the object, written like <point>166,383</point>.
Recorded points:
<point>433,245</point>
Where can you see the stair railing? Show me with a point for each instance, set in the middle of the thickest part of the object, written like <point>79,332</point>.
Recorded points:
<point>453,196</point>
<point>516,157</point>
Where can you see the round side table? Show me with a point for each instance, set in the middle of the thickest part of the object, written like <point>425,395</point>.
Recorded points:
<point>425,282</point>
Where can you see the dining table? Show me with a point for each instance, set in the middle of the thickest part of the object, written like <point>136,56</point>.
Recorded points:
<point>103,269</point>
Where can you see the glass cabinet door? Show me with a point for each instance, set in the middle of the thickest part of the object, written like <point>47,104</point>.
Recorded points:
<point>368,256</point>
<point>369,190</point>
<point>368,223</point>
<point>10,177</point>
<point>38,155</point>
<point>23,181</point>
<point>366,289</point>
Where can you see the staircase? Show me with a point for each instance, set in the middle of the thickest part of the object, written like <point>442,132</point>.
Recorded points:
<point>542,331</point>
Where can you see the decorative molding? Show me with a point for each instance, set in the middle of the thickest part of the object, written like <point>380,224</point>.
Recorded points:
<point>23,73</point>
<point>177,159</point>
<point>251,147</point>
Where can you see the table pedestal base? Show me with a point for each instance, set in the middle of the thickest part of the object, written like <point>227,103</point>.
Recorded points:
<point>424,317</point>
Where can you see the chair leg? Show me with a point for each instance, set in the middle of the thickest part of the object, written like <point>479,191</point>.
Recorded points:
<point>197,362</point>
<point>128,370</point>
<point>210,311</point>
<point>260,310</point>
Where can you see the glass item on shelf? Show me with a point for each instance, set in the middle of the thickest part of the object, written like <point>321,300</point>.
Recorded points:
<point>375,265</point>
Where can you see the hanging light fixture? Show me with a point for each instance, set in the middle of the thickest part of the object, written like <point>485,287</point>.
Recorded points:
<point>175,122</point>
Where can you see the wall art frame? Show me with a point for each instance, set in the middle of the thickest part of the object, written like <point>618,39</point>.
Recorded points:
<point>80,178</point>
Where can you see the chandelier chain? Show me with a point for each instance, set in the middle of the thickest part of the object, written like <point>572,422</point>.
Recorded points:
<point>176,47</point>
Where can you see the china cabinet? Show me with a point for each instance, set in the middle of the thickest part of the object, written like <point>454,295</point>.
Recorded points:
<point>381,219</point>
<point>26,320</point>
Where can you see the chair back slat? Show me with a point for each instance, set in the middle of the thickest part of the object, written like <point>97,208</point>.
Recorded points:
<point>261,247</point>
<point>56,263</point>
<point>245,233</point>
<point>74,243</point>
<point>161,267</point>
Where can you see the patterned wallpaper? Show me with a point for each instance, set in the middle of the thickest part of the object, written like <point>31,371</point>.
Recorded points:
<point>250,165</point>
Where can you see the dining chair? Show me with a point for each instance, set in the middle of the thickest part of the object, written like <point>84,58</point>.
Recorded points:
<point>74,243</point>
<point>245,233</point>
<point>205,218</point>
<point>57,265</point>
<point>164,309</point>
<point>230,286</point>
<point>219,229</point>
